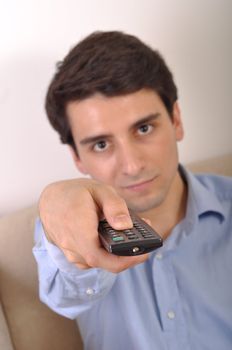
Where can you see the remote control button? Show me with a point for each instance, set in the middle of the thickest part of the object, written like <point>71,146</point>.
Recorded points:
<point>131,233</point>
<point>118,238</point>
<point>111,231</point>
<point>147,235</point>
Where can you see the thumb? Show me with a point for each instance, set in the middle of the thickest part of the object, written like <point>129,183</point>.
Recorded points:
<point>113,207</point>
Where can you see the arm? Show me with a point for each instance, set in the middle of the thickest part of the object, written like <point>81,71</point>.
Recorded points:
<point>65,288</point>
<point>74,270</point>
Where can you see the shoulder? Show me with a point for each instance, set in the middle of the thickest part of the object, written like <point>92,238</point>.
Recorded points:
<point>213,194</point>
<point>221,186</point>
<point>217,192</point>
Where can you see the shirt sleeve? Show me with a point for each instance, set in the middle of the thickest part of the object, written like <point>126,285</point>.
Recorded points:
<point>66,289</point>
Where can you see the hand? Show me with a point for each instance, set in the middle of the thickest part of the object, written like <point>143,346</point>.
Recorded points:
<point>70,212</point>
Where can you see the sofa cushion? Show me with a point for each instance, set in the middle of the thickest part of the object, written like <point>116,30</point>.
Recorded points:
<point>221,165</point>
<point>31,324</point>
<point>5,341</point>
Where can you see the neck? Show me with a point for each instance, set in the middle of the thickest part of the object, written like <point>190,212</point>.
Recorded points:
<point>166,216</point>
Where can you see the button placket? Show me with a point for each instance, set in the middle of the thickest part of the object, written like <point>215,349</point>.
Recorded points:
<point>165,288</point>
<point>169,301</point>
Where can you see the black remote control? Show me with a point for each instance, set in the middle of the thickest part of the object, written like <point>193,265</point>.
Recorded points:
<point>140,239</point>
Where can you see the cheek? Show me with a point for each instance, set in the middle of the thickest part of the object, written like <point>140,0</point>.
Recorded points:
<point>165,150</point>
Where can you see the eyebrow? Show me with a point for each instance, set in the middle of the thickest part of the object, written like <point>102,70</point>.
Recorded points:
<point>93,139</point>
<point>147,119</point>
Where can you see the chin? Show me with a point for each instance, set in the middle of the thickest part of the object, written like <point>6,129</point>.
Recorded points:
<point>144,205</point>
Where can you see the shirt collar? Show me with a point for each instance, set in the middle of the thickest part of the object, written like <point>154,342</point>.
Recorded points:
<point>201,199</point>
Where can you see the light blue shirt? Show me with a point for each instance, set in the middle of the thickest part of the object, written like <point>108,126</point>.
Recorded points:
<point>180,299</point>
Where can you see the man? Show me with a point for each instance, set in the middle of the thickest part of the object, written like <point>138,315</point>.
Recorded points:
<point>114,101</point>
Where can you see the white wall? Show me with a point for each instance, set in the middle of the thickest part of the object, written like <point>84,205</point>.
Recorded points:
<point>194,37</point>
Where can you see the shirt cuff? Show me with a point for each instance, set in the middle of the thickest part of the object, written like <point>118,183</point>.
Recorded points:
<point>90,283</point>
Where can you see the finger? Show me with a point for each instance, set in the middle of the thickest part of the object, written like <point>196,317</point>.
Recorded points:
<point>113,207</point>
<point>148,221</point>
<point>73,257</point>
<point>113,263</point>
<point>82,266</point>
<point>99,257</point>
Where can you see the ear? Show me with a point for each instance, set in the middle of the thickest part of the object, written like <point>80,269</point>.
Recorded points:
<point>177,122</point>
<point>77,161</point>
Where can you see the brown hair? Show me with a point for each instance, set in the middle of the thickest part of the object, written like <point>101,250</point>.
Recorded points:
<point>110,63</point>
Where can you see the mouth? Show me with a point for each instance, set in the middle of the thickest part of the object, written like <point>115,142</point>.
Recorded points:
<point>140,186</point>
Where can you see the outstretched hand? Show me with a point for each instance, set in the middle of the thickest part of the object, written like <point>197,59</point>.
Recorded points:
<point>70,212</point>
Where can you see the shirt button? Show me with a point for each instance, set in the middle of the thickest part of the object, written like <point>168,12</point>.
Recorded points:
<point>159,256</point>
<point>90,291</point>
<point>171,315</point>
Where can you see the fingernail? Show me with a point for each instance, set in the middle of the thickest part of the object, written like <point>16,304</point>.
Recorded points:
<point>122,221</point>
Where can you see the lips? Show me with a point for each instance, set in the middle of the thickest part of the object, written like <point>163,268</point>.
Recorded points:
<point>139,186</point>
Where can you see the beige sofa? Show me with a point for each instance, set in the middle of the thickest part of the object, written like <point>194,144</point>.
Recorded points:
<point>25,323</point>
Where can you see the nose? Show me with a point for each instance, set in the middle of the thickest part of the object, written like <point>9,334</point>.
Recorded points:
<point>130,159</point>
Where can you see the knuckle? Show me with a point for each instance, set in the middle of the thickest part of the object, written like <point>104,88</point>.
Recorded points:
<point>71,258</point>
<point>91,260</point>
<point>116,269</point>
<point>119,267</point>
<point>82,266</point>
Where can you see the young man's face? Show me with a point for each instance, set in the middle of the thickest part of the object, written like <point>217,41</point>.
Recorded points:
<point>130,143</point>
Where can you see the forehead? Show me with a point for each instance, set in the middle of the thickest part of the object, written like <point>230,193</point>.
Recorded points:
<point>98,113</point>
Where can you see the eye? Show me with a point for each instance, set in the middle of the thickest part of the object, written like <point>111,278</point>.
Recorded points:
<point>145,129</point>
<point>100,146</point>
